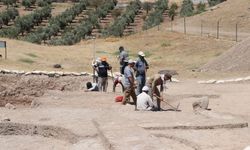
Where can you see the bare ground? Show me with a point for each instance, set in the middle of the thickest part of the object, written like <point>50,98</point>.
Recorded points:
<point>74,119</point>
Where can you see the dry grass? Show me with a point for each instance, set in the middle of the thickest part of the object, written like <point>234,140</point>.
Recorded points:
<point>229,12</point>
<point>164,50</point>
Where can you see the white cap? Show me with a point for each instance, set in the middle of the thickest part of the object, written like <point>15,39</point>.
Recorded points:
<point>141,54</point>
<point>130,61</point>
<point>145,88</point>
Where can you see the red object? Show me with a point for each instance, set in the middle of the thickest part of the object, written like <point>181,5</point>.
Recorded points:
<point>118,98</point>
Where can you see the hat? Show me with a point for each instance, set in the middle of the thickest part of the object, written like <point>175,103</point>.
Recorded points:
<point>130,61</point>
<point>104,58</point>
<point>121,48</point>
<point>145,88</point>
<point>140,53</point>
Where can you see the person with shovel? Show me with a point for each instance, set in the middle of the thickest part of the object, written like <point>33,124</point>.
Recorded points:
<point>153,82</point>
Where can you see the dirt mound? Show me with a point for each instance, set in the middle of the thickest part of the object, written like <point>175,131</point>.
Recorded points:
<point>20,90</point>
<point>42,130</point>
<point>235,59</point>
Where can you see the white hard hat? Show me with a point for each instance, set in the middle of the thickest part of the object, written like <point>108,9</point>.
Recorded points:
<point>145,88</point>
<point>140,53</point>
<point>130,61</point>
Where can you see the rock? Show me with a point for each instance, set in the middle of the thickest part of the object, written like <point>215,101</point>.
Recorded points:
<point>21,72</point>
<point>211,81</point>
<point>36,72</point>
<point>34,104</point>
<point>247,78</point>
<point>51,74</point>
<point>14,71</point>
<point>202,103</point>
<point>75,74</point>
<point>59,73</point>
<point>6,71</point>
<point>28,73</point>
<point>247,148</point>
<point>10,106</point>
<point>238,79</point>
<point>57,66</point>
<point>84,73</point>
<point>6,119</point>
<point>66,73</point>
<point>220,81</point>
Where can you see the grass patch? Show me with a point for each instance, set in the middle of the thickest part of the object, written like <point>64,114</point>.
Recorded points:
<point>103,52</point>
<point>166,44</point>
<point>32,55</point>
<point>158,57</point>
<point>116,53</point>
<point>27,60</point>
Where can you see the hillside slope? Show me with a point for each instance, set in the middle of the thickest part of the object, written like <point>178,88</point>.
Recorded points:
<point>235,59</point>
<point>229,13</point>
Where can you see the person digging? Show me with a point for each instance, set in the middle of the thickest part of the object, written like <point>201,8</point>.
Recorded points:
<point>154,82</point>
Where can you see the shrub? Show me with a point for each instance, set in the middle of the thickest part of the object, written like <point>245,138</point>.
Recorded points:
<point>215,2</point>
<point>26,3</point>
<point>201,7</point>
<point>9,2</point>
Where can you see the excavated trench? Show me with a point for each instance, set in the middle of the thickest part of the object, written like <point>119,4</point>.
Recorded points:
<point>21,90</point>
<point>39,130</point>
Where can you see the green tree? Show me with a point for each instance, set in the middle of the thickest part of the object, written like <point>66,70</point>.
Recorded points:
<point>187,8</point>
<point>27,4</point>
<point>5,18</point>
<point>172,10</point>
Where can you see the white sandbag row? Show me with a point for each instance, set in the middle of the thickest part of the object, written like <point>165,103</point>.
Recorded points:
<point>224,81</point>
<point>48,73</point>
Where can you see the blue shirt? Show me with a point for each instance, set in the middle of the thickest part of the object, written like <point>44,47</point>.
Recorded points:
<point>141,66</point>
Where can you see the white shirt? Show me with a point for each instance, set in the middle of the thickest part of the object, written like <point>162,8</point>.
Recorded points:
<point>144,102</point>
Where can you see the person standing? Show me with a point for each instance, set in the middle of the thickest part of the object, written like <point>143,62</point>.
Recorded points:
<point>123,59</point>
<point>102,70</point>
<point>141,67</point>
<point>153,82</point>
<point>129,83</point>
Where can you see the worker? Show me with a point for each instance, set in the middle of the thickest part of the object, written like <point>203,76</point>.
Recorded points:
<point>129,83</point>
<point>123,59</point>
<point>91,87</point>
<point>144,101</point>
<point>95,63</point>
<point>102,70</point>
<point>141,67</point>
<point>158,80</point>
